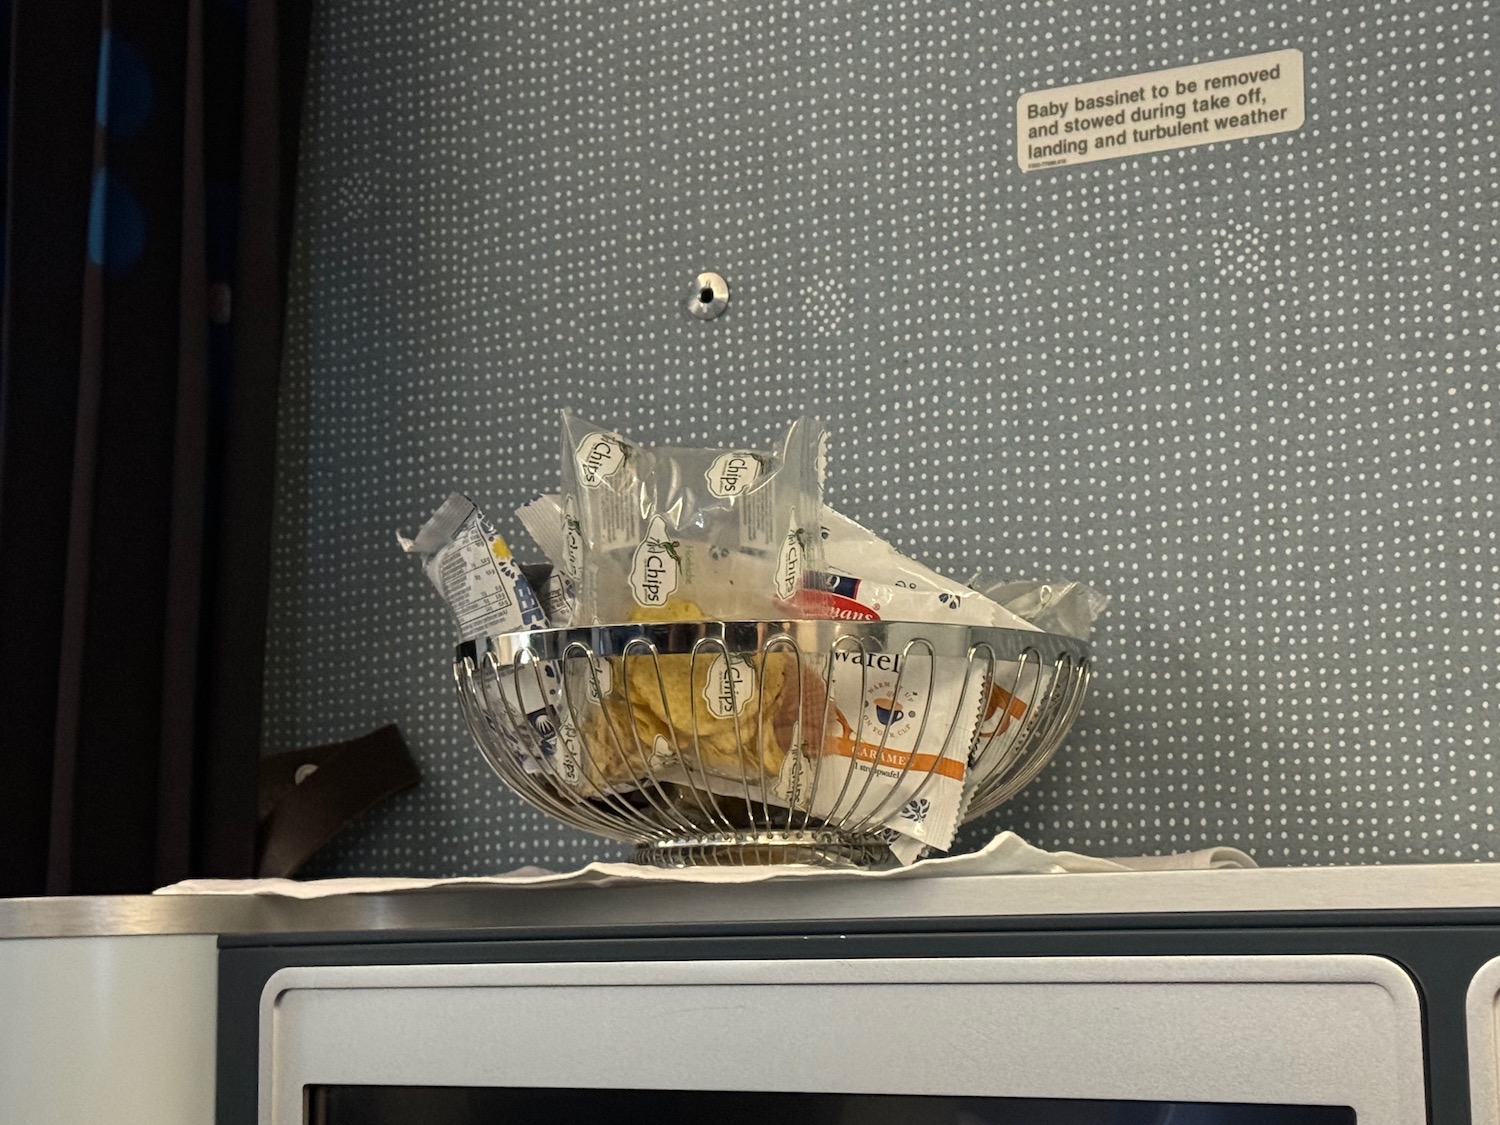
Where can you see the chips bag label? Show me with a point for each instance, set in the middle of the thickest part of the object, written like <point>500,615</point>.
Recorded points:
<point>570,752</point>
<point>656,571</point>
<point>600,455</point>
<point>663,757</point>
<point>729,687</point>
<point>790,562</point>
<point>572,542</point>
<point>603,685</point>
<point>733,474</point>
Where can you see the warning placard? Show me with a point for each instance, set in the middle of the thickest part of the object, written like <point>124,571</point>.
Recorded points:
<point>1226,100</point>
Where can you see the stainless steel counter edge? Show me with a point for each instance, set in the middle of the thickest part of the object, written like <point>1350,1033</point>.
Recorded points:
<point>500,908</point>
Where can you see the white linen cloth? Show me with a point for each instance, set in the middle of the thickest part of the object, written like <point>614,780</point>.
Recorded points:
<point>1006,854</point>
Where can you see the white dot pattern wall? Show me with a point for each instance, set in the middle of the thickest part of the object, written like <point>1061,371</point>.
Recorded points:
<point>1249,389</point>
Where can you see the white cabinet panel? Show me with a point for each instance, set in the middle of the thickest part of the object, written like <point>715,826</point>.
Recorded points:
<point>1484,1044</point>
<point>1328,1030</point>
<point>108,1029</point>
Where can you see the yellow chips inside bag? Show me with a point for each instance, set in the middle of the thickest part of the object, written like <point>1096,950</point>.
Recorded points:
<point>734,716</point>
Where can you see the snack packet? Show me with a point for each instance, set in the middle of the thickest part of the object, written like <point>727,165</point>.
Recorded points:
<point>470,564</point>
<point>867,579</point>
<point>730,531</point>
<point>922,795</point>
<point>547,584</point>
<point>536,733</point>
<point>723,722</point>
<point>897,751</point>
<point>542,517</point>
<point>718,721</point>
<point>1069,608</point>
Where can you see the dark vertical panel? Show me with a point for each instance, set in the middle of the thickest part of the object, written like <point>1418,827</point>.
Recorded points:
<point>240,544</point>
<point>180,683</point>
<point>104,831</point>
<point>52,102</point>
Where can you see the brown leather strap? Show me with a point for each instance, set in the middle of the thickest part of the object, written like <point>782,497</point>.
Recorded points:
<point>307,797</point>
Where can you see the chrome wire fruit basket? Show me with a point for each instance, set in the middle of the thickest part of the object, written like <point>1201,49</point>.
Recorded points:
<point>828,742</point>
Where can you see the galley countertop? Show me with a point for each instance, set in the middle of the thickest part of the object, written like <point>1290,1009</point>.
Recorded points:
<point>825,901</point>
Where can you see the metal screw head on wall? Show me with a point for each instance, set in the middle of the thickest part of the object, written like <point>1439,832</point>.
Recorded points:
<point>710,296</point>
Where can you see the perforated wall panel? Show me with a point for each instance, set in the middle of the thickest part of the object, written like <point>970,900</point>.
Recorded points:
<point>1248,388</point>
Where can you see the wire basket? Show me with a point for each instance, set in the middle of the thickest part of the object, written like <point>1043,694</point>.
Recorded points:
<point>737,742</point>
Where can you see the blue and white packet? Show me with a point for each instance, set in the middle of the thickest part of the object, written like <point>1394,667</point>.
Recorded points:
<point>471,566</point>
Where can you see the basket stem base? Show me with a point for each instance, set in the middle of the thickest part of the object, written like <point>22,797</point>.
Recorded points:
<point>744,849</point>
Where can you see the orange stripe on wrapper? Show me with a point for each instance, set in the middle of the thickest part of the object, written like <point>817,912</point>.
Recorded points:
<point>1006,705</point>
<point>897,759</point>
